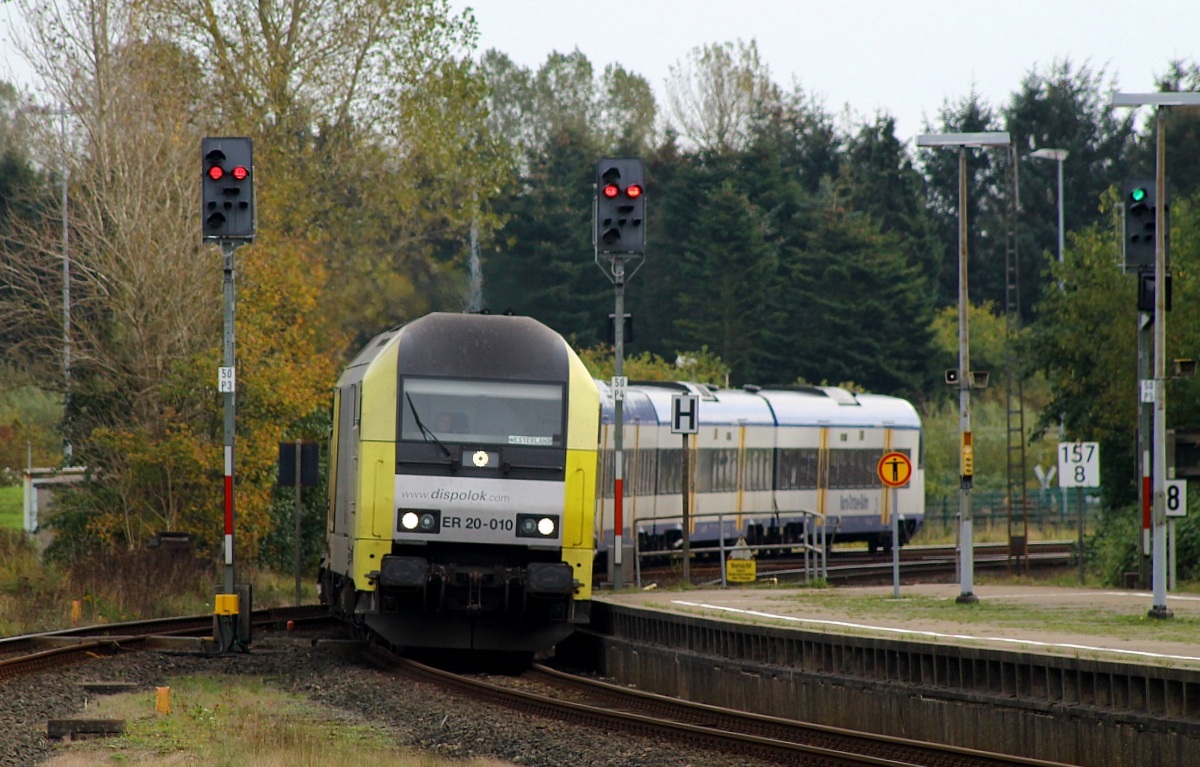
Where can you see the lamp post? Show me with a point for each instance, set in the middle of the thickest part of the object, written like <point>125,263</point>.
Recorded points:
<point>68,449</point>
<point>1058,156</point>
<point>1159,434</point>
<point>963,141</point>
<point>61,112</point>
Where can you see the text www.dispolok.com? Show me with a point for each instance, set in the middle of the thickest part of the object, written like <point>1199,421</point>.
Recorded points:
<point>452,496</point>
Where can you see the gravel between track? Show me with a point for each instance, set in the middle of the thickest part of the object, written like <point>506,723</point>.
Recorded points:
<point>430,720</point>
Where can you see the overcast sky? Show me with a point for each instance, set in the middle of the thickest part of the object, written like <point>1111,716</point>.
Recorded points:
<point>905,57</point>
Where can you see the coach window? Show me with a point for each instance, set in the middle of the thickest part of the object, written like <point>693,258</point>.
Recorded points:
<point>757,474</point>
<point>670,466</point>
<point>645,476</point>
<point>605,473</point>
<point>716,470</point>
<point>704,471</point>
<point>853,469</point>
<point>798,468</point>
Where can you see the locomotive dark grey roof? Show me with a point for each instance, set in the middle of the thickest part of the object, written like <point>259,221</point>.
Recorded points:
<point>483,346</point>
<point>452,345</point>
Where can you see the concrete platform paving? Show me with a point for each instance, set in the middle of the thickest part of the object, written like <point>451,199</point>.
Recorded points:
<point>1104,624</point>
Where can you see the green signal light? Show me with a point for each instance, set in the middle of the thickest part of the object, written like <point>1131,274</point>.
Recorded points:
<point>1137,195</point>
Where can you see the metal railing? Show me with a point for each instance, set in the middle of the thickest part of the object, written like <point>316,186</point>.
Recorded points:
<point>813,542</point>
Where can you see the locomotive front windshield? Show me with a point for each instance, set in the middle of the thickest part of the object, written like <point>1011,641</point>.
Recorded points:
<point>491,412</point>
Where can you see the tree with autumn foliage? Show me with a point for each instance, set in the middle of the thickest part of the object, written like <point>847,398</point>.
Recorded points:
<point>364,201</point>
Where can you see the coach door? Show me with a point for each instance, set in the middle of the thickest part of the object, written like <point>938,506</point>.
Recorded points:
<point>345,458</point>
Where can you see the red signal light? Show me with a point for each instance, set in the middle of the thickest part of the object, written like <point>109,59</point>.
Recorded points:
<point>611,190</point>
<point>633,191</point>
<point>240,173</point>
<point>216,173</point>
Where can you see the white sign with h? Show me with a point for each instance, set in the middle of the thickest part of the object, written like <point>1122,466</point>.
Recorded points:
<point>685,414</point>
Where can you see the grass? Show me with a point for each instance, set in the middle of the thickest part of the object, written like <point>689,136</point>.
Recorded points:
<point>12,507</point>
<point>1112,622</point>
<point>231,720</point>
<point>118,586</point>
<point>1124,621</point>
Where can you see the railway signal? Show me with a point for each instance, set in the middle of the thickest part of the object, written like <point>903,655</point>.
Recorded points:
<point>620,206</point>
<point>1145,291</point>
<point>227,218</point>
<point>619,234</point>
<point>1140,202</point>
<point>227,189</point>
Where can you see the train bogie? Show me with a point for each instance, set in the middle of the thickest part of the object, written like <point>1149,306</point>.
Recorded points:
<point>464,460</point>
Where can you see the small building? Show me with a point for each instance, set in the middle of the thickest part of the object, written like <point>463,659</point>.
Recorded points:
<point>40,486</point>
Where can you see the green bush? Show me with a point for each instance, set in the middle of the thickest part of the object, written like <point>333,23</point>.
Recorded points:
<point>29,420</point>
<point>1113,550</point>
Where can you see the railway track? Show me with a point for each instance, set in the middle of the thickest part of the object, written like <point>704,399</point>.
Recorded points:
<point>32,653</point>
<point>548,693</point>
<point>545,692</point>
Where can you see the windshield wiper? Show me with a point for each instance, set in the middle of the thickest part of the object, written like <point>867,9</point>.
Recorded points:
<point>429,436</point>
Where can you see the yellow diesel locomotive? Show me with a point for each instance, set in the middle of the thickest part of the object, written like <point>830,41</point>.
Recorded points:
<point>463,486</point>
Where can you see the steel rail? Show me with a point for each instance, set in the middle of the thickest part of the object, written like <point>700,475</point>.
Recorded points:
<point>27,654</point>
<point>768,738</point>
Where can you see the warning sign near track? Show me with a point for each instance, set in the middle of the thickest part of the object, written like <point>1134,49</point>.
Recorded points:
<point>894,469</point>
<point>741,570</point>
<point>740,566</point>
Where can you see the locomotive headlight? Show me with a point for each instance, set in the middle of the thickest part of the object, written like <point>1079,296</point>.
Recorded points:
<point>420,521</point>
<point>537,526</point>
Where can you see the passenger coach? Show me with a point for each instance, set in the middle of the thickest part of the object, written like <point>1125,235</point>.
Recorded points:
<point>776,466</point>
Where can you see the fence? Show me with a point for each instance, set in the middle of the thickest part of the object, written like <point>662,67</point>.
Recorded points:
<point>1044,510</point>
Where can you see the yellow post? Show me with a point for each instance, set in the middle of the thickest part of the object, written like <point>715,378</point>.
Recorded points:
<point>225,615</point>
<point>162,700</point>
<point>76,612</point>
<point>226,604</point>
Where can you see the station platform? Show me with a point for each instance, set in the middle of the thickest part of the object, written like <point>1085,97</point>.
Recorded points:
<point>1099,624</point>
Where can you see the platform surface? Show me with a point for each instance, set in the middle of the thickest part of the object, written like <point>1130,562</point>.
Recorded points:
<point>1105,624</point>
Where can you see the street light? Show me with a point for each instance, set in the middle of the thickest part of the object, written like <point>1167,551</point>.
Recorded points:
<point>1058,156</point>
<point>967,455</point>
<point>1159,511</point>
<point>68,449</point>
<point>61,112</point>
